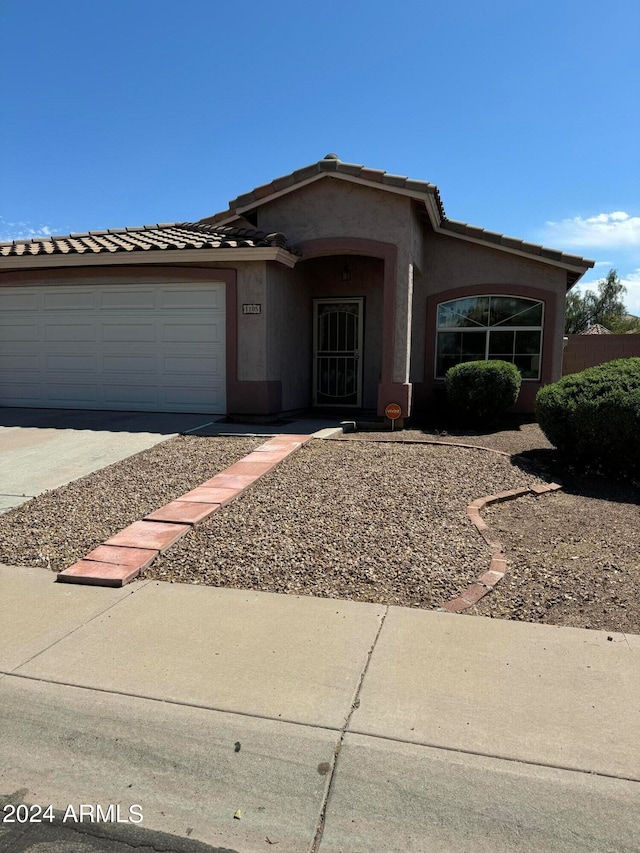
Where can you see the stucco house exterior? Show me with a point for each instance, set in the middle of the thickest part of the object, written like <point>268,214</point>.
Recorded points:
<point>336,287</point>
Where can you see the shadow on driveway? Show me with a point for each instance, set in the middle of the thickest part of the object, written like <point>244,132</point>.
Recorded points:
<point>164,423</point>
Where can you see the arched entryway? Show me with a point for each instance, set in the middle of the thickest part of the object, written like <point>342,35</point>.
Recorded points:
<point>345,301</point>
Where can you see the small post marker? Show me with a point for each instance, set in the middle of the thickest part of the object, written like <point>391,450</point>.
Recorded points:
<point>393,412</point>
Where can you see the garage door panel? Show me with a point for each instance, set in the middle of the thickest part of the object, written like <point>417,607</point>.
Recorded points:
<point>128,300</point>
<point>19,362</point>
<point>125,394</point>
<point>70,364</point>
<point>21,393</point>
<point>182,397</point>
<point>74,394</point>
<point>68,300</point>
<point>129,330</point>
<point>20,331</point>
<point>191,365</point>
<point>129,364</point>
<point>80,332</point>
<point>186,333</point>
<point>178,299</point>
<point>16,299</point>
<point>151,347</point>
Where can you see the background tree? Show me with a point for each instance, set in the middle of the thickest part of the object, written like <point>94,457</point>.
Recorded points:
<point>606,306</point>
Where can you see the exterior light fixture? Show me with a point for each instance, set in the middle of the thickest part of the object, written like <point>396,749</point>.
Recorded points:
<point>345,275</point>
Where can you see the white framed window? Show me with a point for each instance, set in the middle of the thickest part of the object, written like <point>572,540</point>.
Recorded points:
<point>478,328</point>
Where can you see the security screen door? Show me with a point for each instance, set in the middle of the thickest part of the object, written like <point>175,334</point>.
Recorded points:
<point>337,348</point>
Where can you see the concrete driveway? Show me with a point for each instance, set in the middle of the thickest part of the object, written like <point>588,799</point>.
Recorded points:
<point>42,449</point>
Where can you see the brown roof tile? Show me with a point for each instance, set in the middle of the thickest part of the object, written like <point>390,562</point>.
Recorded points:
<point>328,164</point>
<point>331,163</point>
<point>165,236</point>
<point>596,329</point>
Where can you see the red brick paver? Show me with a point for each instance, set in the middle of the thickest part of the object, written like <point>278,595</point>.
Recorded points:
<point>149,534</point>
<point>98,574</point>
<point>206,495</point>
<point>498,566</point>
<point>183,512</point>
<point>132,557</point>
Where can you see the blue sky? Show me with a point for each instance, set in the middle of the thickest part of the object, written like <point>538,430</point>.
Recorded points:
<point>525,113</point>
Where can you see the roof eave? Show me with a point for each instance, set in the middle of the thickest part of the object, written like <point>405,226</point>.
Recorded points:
<point>150,256</point>
<point>575,265</point>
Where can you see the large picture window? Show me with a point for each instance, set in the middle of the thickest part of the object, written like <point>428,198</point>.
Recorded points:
<point>477,328</point>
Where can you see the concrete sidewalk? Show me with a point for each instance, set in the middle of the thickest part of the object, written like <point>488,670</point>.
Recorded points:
<point>244,719</point>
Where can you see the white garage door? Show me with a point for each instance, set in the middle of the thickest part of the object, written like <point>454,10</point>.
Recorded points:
<point>139,347</point>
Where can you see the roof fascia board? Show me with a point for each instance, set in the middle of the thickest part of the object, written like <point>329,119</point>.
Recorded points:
<point>162,256</point>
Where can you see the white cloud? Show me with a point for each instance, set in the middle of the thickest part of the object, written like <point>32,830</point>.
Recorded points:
<point>604,230</point>
<point>614,235</point>
<point>10,230</point>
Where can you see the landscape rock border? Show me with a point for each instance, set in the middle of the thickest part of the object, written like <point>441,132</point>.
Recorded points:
<point>498,565</point>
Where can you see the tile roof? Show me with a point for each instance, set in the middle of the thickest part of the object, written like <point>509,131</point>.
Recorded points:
<point>506,242</point>
<point>177,235</point>
<point>596,329</point>
<point>331,164</point>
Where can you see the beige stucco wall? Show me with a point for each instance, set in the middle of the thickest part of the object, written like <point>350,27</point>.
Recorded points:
<point>334,207</point>
<point>252,328</point>
<point>452,263</point>
<point>289,336</point>
<point>417,297</point>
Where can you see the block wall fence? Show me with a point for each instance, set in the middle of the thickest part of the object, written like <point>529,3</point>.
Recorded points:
<point>584,351</point>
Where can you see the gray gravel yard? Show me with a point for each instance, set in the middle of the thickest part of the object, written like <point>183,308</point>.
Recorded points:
<point>63,525</point>
<point>369,521</point>
<point>375,517</point>
<point>574,558</point>
<point>514,438</point>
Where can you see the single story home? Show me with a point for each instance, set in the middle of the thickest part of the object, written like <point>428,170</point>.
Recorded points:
<point>336,287</point>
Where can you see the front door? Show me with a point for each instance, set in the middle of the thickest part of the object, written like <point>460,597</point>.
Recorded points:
<point>337,351</point>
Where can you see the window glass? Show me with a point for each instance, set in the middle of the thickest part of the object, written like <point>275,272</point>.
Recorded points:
<point>473,344</point>
<point>471,311</point>
<point>467,331</point>
<point>527,342</point>
<point>528,365</point>
<point>519,313</point>
<point>500,343</point>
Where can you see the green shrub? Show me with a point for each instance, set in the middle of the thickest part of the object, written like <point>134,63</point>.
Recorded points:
<point>593,417</point>
<point>482,390</point>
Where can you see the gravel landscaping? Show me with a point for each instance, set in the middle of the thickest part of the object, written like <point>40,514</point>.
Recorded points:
<point>369,521</point>
<point>377,517</point>
<point>574,558</point>
<point>514,438</point>
<point>60,527</point>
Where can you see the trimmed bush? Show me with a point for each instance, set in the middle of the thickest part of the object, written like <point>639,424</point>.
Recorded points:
<point>481,391</point>
<point>593,417</point>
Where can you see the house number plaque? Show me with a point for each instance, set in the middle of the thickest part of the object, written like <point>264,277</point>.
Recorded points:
<point>252,308</point>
